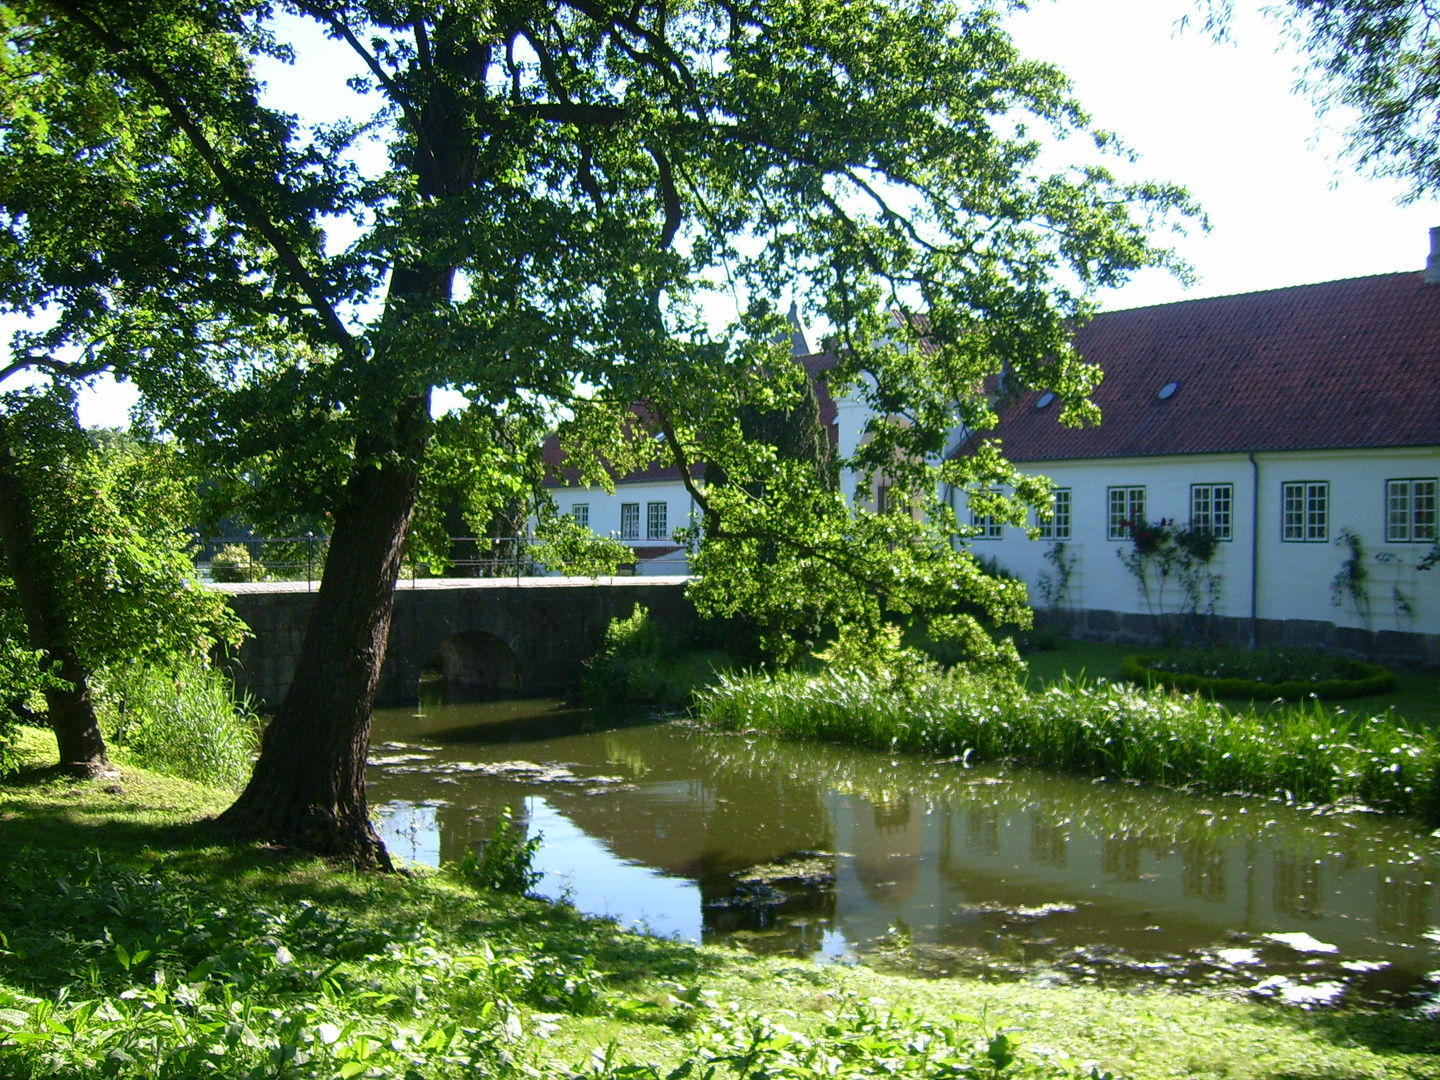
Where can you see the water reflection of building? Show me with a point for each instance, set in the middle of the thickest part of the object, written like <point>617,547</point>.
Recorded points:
<point>1048,840</point>
<point>1297,887</point>
<point>1205,870</point>
<point>886,847</point>
<point>968,860</point>
<point>977,863</point>
<point>1402,907</point>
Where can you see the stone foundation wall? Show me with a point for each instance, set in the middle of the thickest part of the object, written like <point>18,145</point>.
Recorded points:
<point>1393,648</point>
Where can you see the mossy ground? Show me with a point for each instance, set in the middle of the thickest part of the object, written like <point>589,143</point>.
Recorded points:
<point>141,820</point>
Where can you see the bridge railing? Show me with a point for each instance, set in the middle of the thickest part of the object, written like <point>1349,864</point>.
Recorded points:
<point>249,558</point>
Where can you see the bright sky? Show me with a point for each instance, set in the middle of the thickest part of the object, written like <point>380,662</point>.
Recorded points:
<point>1218,118</point>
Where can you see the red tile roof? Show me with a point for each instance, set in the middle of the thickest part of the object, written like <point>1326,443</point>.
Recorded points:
<point>557,474</point>
<point>1344,364</point>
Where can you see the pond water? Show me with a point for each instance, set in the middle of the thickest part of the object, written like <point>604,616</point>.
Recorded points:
<point>929,867</point>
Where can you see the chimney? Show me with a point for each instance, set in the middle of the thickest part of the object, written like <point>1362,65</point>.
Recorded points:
<point>1432,264</point>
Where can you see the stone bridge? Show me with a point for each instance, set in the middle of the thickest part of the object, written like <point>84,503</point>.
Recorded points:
<point>526,636</point>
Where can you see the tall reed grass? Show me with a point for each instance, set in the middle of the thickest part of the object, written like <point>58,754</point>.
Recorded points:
<point>186,722</point>
<point>1307,753</point>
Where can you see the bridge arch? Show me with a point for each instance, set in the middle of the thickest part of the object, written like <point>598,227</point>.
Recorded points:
<point>476,662</point>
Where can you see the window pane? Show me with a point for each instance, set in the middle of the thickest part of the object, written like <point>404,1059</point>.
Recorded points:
<point>629,521</point>
<point>1137,504</point>
<point>1293,512</point>
<point>1060,522</point>
<point>1422,501</point>
<point>1117,514</point>
<point>1397,517</point>
<point>1200,506</point>
<point>1317,511</point>
<point>580,512</point>
<point>1127,506</point>
<point>655,528</point>
<point>1222,500</point>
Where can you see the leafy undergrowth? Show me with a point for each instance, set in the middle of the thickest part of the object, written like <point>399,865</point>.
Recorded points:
<point>135,947</point>
<point>1308,753</point>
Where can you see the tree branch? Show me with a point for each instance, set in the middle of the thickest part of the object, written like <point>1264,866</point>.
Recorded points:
<point>390,86</point>
<point>673,69</point>
<point>63,368</point>
<point>251,212</point>
<point>571,113</point>
<point>670,196</point>
<point>677,451</point>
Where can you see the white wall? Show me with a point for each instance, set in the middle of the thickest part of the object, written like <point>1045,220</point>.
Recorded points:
<point>605,512</point>
<point>1294,578</point>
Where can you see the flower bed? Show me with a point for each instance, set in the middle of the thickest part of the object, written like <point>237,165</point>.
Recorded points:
<point>1240,673</point>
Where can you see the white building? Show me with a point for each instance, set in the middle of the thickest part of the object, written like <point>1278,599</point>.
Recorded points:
<point>1287,422</point>
<point>649,505</point>
<point>1284,421</point>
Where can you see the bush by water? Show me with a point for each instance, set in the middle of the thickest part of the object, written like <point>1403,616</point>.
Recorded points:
<point>1307,753</point>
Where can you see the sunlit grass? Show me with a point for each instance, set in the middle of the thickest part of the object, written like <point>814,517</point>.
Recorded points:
<point>1415,696</point>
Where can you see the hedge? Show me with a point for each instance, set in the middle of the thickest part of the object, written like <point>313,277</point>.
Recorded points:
<point>1366,679</point>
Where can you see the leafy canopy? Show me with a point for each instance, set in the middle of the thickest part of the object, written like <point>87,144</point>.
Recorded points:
<point>572,190</point>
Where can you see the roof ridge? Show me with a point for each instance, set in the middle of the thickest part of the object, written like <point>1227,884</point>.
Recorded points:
<point>1260,292</point>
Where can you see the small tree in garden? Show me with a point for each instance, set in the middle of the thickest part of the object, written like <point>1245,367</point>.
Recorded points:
<point>96,568</point>
<point>1054,584</point>
<point>1350,587</point>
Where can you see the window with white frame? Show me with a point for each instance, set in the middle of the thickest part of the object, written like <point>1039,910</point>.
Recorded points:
<point>1410,511</point>
<point>629,521</point>
<point>1305,511</point>
<point>1126,508</point>
<point>580,513</point>
<point>655,526</point>
<point>1212,507</point>
<point>985,526</point>
<point>1057,526</point>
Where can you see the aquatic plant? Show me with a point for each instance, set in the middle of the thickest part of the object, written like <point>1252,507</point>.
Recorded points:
<point>1307,753</point>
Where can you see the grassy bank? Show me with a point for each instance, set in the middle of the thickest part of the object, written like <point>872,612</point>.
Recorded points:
<point>1310,754</point>
<point>135,946</point>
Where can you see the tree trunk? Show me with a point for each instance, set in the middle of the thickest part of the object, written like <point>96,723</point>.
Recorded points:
<point>308,787</point>
<point>70,711</point>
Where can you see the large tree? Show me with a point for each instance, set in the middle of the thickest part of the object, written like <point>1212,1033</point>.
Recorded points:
<point>568,182</point>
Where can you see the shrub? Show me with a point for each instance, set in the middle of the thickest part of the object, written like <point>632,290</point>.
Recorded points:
<point>1236,673</point>
<point>184,721</point>
<point>233,563</point>
<point>1307,753</point>
<point>505,860</point>
<point>637,665</point>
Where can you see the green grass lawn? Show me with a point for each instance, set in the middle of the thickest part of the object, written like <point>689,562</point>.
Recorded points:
<point>1416,695</point>
<point>135,944</point>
